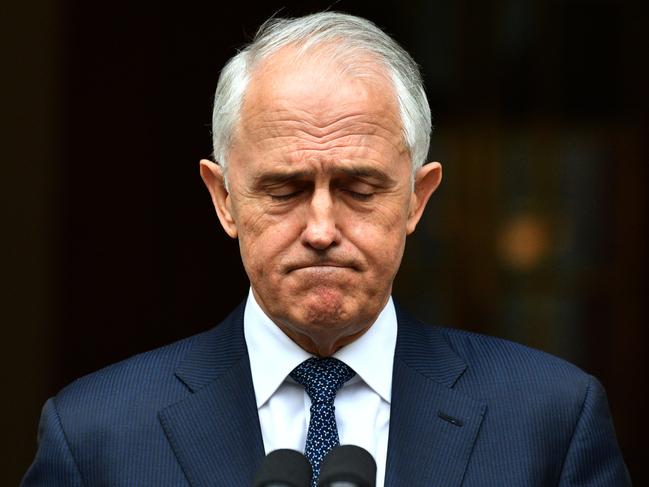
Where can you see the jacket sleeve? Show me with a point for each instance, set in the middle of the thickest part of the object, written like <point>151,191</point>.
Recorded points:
<point>594,458</point>
<point>54,465</point>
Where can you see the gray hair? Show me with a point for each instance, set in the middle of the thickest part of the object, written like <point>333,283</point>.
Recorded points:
<point>347,36</point>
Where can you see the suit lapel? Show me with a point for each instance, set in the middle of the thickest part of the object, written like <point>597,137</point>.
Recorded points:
<point>432,426</point>
<point>215,431</point>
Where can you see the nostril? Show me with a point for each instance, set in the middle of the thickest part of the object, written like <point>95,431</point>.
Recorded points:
<point>321,236</point>
<point>320,241</point>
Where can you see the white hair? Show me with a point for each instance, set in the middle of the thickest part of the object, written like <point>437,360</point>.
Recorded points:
<point>346,37</point>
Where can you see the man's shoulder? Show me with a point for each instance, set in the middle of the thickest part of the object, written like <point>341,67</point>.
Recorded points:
<point>502,354</point>
<point>155,374</point>
<point>149,374</point>
<point>495,366</point>
<point>118,408</point>
<point>499,369</point>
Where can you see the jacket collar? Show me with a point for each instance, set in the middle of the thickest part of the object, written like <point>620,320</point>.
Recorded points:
<point>433,427</point>
<point>214,432</point>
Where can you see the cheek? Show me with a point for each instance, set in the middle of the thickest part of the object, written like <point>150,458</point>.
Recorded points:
<point>263,239</point>
<point>380,240</point>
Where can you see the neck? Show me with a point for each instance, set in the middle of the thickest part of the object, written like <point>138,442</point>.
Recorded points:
<point>322,344</point>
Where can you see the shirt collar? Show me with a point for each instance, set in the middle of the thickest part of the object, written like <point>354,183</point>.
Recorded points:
<point>371,355</point>
<point>268,345</point>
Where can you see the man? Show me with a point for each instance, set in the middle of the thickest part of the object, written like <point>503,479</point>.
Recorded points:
<point>321,128</point>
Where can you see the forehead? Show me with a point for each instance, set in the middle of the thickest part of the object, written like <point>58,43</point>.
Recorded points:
<point>320,90</point>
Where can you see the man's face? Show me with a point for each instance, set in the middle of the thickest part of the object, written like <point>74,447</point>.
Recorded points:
<point>320,198</point>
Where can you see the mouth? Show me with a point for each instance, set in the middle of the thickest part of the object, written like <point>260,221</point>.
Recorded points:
<point>324,266</point>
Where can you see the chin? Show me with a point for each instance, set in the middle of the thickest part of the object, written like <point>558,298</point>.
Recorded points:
<point>326,307</point>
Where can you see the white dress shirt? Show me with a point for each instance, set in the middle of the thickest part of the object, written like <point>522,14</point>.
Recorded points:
<point>362,404</point>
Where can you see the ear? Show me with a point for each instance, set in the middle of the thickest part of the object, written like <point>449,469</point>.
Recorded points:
<point>427,179</point>
<point>212,175</point>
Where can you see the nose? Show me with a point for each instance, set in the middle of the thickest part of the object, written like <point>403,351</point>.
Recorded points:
<point>321,230</point>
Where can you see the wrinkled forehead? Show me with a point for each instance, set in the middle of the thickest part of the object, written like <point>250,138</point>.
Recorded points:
<point>332,57</point>
<point>320,84</point>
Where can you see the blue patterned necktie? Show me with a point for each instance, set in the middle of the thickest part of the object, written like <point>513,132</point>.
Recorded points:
<point>321,378</point>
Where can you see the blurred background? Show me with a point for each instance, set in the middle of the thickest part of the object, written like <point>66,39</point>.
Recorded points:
<point>538,233</point>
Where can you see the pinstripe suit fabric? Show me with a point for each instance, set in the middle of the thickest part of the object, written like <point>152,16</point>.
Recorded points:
<point>466,410</point>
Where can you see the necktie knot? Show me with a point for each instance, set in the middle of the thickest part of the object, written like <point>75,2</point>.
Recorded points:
<point>322,377</point>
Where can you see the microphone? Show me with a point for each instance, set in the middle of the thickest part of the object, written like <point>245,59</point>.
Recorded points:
<point>284,468</point>
<point>348,466</point>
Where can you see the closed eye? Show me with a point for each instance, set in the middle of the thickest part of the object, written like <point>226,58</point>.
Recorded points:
<point>357,189</point>
<point>285,196</point>
<point>358,195</point>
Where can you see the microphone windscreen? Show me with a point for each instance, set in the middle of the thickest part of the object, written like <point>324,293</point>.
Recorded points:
<point>284,468</point>
<point>348,465</point>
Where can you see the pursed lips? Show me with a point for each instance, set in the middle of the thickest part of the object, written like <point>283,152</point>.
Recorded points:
<point>322,265</point>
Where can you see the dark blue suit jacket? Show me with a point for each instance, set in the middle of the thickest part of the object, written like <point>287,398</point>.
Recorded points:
<point>466,410</point>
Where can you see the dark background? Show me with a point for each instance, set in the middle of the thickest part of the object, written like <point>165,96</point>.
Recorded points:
<point>538,233</point>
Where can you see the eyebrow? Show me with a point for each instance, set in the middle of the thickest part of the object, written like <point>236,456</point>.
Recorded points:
<point>273,177</point>
<point>366,172</point>
<point>279,177</point>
